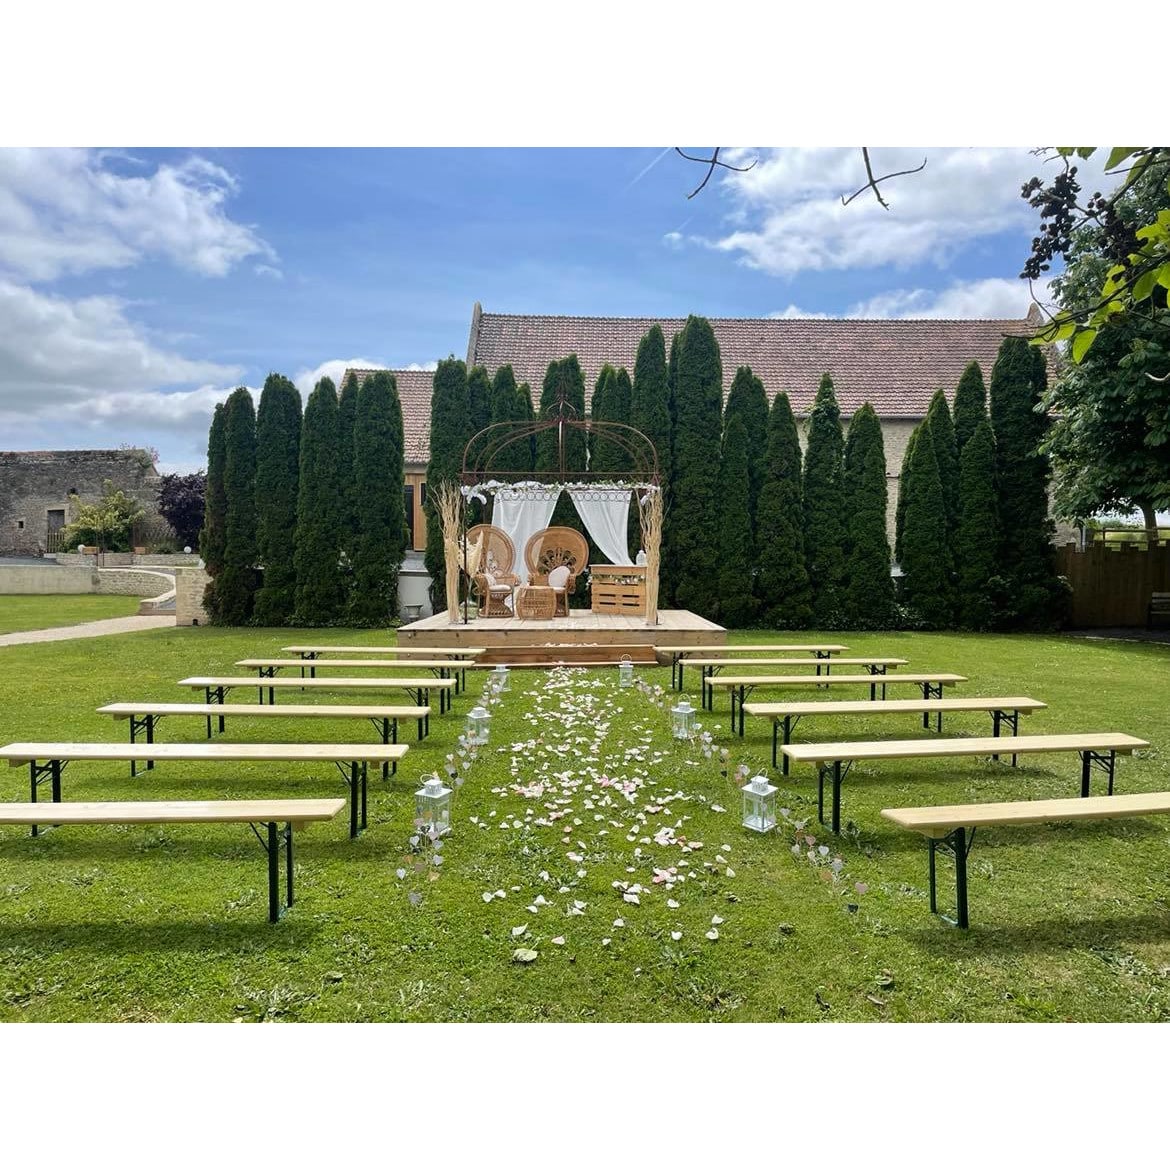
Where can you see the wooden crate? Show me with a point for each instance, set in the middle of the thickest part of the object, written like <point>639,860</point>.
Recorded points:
<point>618,589</point>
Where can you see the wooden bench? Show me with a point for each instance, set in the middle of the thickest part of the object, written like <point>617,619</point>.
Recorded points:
<point>315,651</point>
<point>440,667</point>
<point>787,715</point>
<point>1158,612</point>
<point>268,813</point>
<point>1095,748</point>
<point>743,685</point>
<point>48,761</point>
<point>214,688</point>
<point>952,827</point>
<point>681,654</point>
<point>712,666</point>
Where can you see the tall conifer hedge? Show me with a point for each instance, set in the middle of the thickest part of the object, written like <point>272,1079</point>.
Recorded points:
<point>350,509</point>
<point>868,597</point>
<point>977,536</point>
<point>236,585</point>
<point>278,442</point>
<point>942,434</point>
<point>450,430</point>
<point>736,604</point>
<point>747,401</point>
<point>926,554</point>
<point>970,405</point>
<point>824,503</point>
<point>214,534</point>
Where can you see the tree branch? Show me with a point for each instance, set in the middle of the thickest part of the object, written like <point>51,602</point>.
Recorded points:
<point>714,162</point>
<point>871,183</point>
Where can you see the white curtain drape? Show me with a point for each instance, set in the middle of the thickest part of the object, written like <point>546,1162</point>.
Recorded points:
<point>606,513</point>
<point>521,511</point>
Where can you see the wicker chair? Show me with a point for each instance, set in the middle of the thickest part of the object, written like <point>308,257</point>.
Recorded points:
<point>495,580</point>
<point>553,548</point>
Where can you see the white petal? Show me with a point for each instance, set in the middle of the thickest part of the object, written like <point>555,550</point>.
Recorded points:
<point>672,903</point>
<point>712,934</point>
<point>517,931</point>
<point>676,935</point>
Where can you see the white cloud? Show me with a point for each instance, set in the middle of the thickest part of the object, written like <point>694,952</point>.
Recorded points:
<point>673,240</point>
<point>794,312</point>
<point>993,298</point>
<point>788,216</point>
<point>426,366</point>
<point>333,369</point>
<point>73,211</point>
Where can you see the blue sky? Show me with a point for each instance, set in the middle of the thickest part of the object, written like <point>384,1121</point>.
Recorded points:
<point>138,287</point>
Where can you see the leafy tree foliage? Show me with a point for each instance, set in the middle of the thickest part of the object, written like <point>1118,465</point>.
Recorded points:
<point>379,470</point>
<point>747,401</point>
<point>942,432</point>
<point>450,430</point>
<point>278,441</point>
<point>235,587</point>
<point>736,604</point>
<point>926,552</point>
<point>824,504</point>
<point>181,503</point>
<point>1035,597</point>
<point>320,584</point>
<point>977,536</point>
<point>697,509</point>
<point>868,598</point>
<point>106,523</point>
<point>970,405</point>
<point>782,585</point>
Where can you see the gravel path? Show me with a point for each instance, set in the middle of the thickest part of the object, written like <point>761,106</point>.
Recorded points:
<point>124,625</point>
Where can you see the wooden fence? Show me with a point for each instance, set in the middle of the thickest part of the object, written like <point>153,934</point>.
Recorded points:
<point>1112,583</point>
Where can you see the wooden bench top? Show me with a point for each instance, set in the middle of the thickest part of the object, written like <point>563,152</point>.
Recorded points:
<point>891,706</point>
<point>294,710</point>
<point>24,753</point>
<point>428,651</point>
<point>760,648</point>
<point>385,682</point>
<point>358,663</point>
<point>796,662</point>
<point>939,821</point>
<point>1002,745</point>
<point>818,680</point>
<point>158,812</point>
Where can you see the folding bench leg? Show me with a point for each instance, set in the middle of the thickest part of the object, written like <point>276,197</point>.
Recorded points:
<point>958,843</point>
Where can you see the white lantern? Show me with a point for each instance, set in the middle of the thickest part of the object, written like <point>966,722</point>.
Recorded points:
<point>478,720</point>
<point>759,804</point>
<point>499,678</point>
<point>432,805</point>
<point>682,720</point>
<point>626,672</point>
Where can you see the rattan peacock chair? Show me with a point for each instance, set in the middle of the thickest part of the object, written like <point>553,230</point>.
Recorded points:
<point>495,580</point>
<point>548,553</point>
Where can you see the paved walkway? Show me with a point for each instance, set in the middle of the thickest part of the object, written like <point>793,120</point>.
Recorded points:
<point>123,625</point>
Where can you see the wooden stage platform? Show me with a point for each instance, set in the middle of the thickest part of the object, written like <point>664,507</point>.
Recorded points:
<point>583,637</point>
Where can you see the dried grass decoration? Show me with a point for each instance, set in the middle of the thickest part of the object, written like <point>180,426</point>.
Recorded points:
<point>449,505</point>
<point>650,518</point>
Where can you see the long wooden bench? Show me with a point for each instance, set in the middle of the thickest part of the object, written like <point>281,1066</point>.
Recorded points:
<point>268,813</point>
<point>683,654</point>
<point>440,667</point>
<point>315,651</point>
<point>785,716</point>
<point>952,827</point>
<point>215,688</point>
<point>742,685</point>
<point>712,666</point>
<point>1098,749</point>
<point>46,761</point>
<point>145,717</point>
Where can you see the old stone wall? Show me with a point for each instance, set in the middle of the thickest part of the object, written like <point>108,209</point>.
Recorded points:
<point>189,585</point>
<point>134,582</point>
<point>35,483</point>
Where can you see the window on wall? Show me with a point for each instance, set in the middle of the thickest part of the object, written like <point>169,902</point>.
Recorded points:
<point>422,495</point>
<point>20,524</point>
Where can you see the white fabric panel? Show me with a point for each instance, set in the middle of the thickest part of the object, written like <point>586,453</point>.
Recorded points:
<point>605,512</point>
<point>522,511</point>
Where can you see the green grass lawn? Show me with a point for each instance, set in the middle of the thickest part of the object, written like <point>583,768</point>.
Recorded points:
<point>43,611</point>
<point>169,923</point>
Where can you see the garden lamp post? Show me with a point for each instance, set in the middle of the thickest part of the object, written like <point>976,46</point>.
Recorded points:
<point>432,806</point>
<point>682,720</point>
<point>477,729</point>
<point>759,804</point>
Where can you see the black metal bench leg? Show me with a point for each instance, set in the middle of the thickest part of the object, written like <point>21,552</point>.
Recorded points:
<point>787,741</point>
<point>288,851</point>
<point>742,696</point>
<point>353,798</point>
<point>365,786</point>
<point>821,793</point>
<point>273,873</point>
<point>836,796</point>
<point>1086,772</point>
<point>775,737</point>
<point>932,844</point>
<point>960,847</point>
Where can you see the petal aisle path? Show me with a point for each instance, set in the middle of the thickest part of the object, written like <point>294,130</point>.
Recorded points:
<point>123,625</point>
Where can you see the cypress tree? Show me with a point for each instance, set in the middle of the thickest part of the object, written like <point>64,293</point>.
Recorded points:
<point>599,409</point>
<point>349,516</point>
<point>926,556</point>
<point>869,588</point>
<point>562,378</point>
<point>278,443</point>
<point>380,473</point>
<point>977,536</point>
<point>606,456</point>
<point>900,506</point>
<point>450,430</point>
<point>508,406</point>
<point>650,397</point>
<point>942,434</point>
<point>669,558</point>
<point>782,584</point>
<point>696,506</point>
<point>211,539</point>
<point>1034,596</point>
<point>479,406</point>
<point>505,399</point>
<point>320,586</point>
<point>737,606</point>
<point>824,521</point>
<point>236,585</point>
<point>529,415</point>
<point>970,405</point>
<point>747,401</point>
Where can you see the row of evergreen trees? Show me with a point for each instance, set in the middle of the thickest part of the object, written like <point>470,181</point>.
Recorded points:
<point>305,522</point>
<point>973,534</point>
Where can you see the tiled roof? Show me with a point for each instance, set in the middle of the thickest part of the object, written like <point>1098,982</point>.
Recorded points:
<point>414,388</point>
<point>896,365</point>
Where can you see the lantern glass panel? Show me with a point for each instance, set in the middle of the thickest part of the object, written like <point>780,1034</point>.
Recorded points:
<point>759,805</point>
<point>432,803</point>
<point>478,721</point>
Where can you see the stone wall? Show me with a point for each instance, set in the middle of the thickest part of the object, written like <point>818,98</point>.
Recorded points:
<point>50,578</point>
<point>121,560</point>
<point>34,483</point>
<point>134,582</point>
<point>189,586</point>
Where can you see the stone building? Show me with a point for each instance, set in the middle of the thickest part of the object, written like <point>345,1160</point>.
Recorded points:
<point>36,489</point>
